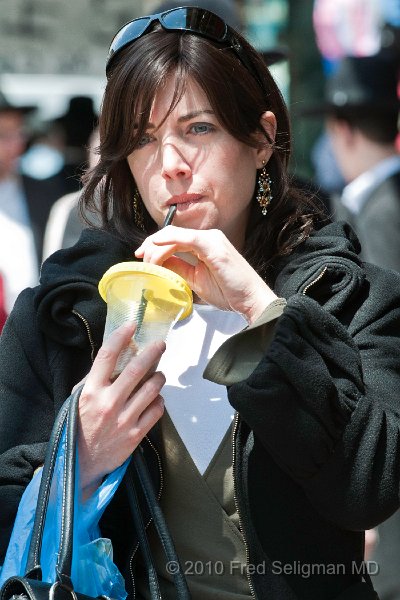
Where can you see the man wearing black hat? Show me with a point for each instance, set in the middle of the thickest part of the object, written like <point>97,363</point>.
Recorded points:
<point>361,110</point>
<point>24,206</point>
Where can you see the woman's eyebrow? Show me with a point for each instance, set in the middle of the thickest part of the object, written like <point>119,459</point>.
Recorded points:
<point>194,114</point>
<point>183,118</point>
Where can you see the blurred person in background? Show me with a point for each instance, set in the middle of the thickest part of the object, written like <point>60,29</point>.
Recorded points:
<point>327,174</point>
<point>75,128</point>
<point>25,203</point>
<point>363,133</point>
<point>59,147</point>
<point>44,156</point>
<point>65,222</point>
<point>361,110</point>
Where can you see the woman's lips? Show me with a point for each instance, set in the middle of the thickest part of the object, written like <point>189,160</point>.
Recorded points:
<point>185,201</point>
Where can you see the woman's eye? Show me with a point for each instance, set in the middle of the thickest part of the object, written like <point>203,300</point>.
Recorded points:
<point>144,140</point>
<point>202,128</point>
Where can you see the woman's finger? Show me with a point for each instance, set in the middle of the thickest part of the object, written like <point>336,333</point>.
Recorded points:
<point>147,420</point>
<point>142,397</point>
<point>137,368</point>
<point>181,267</point>
<point>172,239</point>
<point>105,361</point>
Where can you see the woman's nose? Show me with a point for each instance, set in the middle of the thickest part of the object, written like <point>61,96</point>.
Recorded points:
<point>174,164</point>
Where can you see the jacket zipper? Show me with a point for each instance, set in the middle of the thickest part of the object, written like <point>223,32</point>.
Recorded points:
<point>246,545</point>
<point>304,292</point>
<point>150,520</point>
<point>253,594</point>
<point>87,327</point>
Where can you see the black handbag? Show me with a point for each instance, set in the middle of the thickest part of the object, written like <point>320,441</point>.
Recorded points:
<point>31,586</point>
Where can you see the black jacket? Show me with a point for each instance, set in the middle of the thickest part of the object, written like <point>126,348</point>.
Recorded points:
<point>316,443</point>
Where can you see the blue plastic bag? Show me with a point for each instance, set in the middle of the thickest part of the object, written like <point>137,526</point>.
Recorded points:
<point>93,570</point>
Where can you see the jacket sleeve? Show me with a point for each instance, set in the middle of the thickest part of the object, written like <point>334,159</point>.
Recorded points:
<point>324,402</point>
<point>26,409</point>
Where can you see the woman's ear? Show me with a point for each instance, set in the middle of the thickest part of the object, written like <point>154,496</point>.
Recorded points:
<point>268,123</point>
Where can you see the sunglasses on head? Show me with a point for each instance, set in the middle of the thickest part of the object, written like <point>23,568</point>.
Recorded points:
<point>191,19</point>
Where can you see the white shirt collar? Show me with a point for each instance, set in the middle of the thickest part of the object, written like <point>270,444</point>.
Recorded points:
<point>356,193</point>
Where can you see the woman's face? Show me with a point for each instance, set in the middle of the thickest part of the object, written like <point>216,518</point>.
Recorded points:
<point>191,161</point>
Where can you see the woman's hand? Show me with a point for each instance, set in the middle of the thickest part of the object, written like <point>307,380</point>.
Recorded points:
<point>116,415</point>
<point>221,276</point>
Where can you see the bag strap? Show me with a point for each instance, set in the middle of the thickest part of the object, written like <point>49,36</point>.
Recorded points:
<point>33,569</point>
<point>140,466</point>
<point>140,528</point>
<point>64,562</point>
<point>67,415</point>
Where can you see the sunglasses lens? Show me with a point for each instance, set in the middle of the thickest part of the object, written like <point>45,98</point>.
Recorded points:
<point>128,33</point>
<point>197,20</point>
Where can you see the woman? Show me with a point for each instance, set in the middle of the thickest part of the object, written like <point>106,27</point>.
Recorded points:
<point>192,117</point>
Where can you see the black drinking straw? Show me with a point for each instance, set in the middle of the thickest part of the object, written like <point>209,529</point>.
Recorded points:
<point>143,299</point>
<point>141,311</point>
<point>170,215</point>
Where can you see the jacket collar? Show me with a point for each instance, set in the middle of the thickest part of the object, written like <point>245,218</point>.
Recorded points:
<point>68,288</point>
<point>69,278</point>
<point>334,246</point>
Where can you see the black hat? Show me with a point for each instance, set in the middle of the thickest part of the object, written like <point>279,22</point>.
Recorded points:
<point>78,121</point>
<point>226,9</point>
<point>79,107</point>
<point>6,106</point>
<point>367,82</point>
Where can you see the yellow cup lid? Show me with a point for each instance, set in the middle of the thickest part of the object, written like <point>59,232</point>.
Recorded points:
<point>164,281</point>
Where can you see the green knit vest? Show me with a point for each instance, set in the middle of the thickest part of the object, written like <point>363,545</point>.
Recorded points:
<point>201,515</point>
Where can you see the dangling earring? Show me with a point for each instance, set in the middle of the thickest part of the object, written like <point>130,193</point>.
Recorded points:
<point>138,211</point>
<point>264,195</point>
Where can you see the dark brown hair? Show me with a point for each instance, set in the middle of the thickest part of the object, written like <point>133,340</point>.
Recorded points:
<point>376,123</point>
<point>238,100</point>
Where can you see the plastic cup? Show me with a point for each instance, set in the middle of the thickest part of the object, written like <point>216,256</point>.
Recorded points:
<point>152,296</point>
